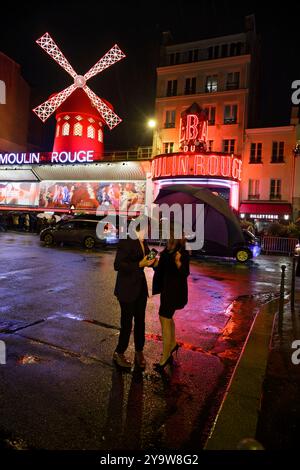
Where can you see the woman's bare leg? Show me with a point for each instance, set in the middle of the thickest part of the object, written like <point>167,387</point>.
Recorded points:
<point>166,329</point>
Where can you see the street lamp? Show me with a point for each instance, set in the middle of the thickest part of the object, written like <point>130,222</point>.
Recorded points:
<point>152,123</point>
<point>157,141</point>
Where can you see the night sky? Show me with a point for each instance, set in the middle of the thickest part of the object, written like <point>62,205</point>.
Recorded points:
<point>86,30</point>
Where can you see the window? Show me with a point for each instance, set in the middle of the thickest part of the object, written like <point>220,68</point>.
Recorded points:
<point>194,55</point>
<point>66,128</point>
<point>228,145</point>
<point>77,129</point>
<point>91,132</point>
<point>190,86</point>
<point>172,88</point>
<point>57,130</point>
<point>230,114</point>
<point>78,118</point>
<point>168,147</point>
<point>100,135</point>
<point>216,52</point>
<point>233,80</point>
<point>235,48</point>
<point>170,118</point>
<point>277,152</point>
<point>224,50</point>
<point>275,189</point>
<point>211,115</point>
<point>174,58</point>
<point>253,189</point>
<point>211,83</point>
<point>255,152</point>
<point>210,144</point>
<point>66,118</point>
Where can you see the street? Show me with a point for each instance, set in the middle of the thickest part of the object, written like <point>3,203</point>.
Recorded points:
<point>59,320</point>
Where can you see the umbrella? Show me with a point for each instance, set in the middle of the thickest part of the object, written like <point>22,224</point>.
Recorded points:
<point>48,216</point>
<point>220,223</point>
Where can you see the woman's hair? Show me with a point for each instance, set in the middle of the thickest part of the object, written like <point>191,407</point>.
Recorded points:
<point>179,243</point>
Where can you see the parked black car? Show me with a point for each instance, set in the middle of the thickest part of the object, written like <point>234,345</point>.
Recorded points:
<point>76,231</point>
<point>242,252</point>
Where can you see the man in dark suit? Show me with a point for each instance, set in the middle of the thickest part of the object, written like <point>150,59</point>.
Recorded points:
<point>132,292</point>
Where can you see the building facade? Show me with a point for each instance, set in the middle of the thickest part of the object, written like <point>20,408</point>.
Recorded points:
<point>222,75</point>
<point>14,106</point>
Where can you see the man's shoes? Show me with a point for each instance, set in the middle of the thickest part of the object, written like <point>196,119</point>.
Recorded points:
<point>121,361</point>
<point>140,360</point>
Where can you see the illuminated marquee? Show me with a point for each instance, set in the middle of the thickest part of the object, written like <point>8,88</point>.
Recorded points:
<point>198,164</point>
<point>81,156</point>
<point>193,129</point>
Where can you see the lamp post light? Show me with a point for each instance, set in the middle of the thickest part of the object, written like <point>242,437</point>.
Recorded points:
<point>157,141</point>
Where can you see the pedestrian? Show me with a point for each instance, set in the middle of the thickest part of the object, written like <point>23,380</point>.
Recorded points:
<point>27,223</point>
<point>131,291</point>
<point>170,281</point>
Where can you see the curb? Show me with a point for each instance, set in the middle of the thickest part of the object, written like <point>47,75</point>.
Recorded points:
<point>239,411</point>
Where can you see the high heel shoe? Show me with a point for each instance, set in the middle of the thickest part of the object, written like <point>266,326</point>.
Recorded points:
<point>175,349</point>
<point>160,367</point>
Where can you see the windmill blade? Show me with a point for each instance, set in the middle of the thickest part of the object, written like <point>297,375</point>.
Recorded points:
<point>111,118</point>
<point>44,110</point>
<point>46,42</point>
<point>111,57</point>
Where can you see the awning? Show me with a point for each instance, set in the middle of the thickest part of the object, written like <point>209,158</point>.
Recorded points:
<point>265,208</point>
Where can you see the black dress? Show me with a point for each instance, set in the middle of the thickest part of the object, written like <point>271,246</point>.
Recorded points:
<point>171,282</point>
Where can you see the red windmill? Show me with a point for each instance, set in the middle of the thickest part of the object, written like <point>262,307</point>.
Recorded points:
<point>79,117</point>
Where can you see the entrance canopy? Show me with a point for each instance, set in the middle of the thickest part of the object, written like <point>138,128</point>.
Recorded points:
<point>267,209</point>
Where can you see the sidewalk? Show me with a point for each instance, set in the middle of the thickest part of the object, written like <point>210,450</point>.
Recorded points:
<point>279,420</point>
<point>262,400</point>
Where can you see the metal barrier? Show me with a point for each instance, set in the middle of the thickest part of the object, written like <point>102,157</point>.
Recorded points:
<point>142,153</point>
<point>284,246</point>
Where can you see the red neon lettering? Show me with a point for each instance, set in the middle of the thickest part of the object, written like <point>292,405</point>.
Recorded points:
<point>225,166</point>
<point>199,166</point>
<point>192,127</point>
<point>213,165</point>
<point>237,169</point>
<point>164,166</point>
<point>157,167</point>
<point>183,164</point>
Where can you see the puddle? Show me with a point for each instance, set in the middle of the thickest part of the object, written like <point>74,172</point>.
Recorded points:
<point>71,316</point>
<point>28,359</point>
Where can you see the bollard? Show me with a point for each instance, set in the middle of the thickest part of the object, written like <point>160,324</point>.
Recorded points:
<point>281,297</point>
<point>293,284</point>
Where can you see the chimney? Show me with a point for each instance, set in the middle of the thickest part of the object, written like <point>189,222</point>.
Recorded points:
<point>294,121</point>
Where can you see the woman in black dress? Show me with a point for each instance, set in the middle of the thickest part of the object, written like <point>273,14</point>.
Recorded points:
<point>170,281</point>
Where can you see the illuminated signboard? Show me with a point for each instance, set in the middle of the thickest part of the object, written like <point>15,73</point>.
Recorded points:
<point>81,156</point>
<point>193,129</point>
<point>198,164</point>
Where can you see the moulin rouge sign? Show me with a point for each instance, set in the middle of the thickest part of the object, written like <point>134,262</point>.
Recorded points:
<point>194,160</point>
<point>81,156</point>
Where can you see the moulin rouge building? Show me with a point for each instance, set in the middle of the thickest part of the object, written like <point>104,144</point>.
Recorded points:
<point>75,174</point>
<point>256,169</point>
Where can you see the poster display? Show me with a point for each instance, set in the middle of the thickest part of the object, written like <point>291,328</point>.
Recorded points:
<point>90,195</point>
<point>19,194</point>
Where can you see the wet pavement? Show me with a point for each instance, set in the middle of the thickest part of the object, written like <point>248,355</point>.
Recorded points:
<point>59,320</point>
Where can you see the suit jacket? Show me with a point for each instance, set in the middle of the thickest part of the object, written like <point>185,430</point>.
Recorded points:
<point>131,278</point>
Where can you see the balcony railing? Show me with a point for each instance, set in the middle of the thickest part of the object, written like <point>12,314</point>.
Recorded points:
<point>142,153</point>
<point>169,125</point>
